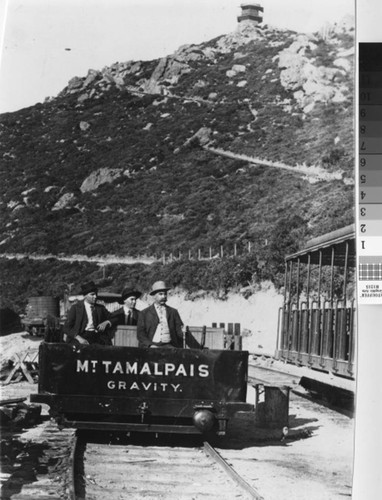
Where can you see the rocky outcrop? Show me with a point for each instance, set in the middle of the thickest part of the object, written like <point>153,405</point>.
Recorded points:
<point>75,84</point>
<point>91,183</point>
<point>310,82</point>
<point>65,200</point>
<point>168,70</point>
<point>202,137</point>
<point>91,77</point>
<point>245,33</point>
<point>100,176</point>
<point>97,81</point>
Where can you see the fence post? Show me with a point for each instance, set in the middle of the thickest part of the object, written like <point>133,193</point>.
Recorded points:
<point>237,337</point>
<point>210,253</point>
<point>235,250</point>
<point>221,251</point>
<point>249,247</point>
<point>199,253</point>
<point>164,258</point>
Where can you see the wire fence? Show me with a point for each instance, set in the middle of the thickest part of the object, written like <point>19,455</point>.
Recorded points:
<point>209,253</point>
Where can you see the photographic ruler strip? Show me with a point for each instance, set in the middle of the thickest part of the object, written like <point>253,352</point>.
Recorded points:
<point>369,245</point>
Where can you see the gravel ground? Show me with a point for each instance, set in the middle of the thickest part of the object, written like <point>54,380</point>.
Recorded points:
<point>314,462</point>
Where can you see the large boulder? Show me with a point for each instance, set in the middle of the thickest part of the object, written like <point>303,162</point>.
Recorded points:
<point>64,201</point>
<point>100,176</point>
<point>75,84</point>
<point>91,77</point>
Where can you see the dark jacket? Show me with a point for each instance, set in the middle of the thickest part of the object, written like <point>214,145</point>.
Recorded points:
<point>78,319</point>
<point>118,317</point>
<point>148,321</point>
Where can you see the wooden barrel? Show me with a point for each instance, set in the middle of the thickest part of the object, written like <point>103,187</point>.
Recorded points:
<point>43,306</point>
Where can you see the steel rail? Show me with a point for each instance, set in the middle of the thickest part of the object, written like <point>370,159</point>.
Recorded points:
<point>210,452</point>
<point>215,455</point>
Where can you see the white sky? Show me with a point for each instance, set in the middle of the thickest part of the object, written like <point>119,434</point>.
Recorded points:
<point>36,33</point>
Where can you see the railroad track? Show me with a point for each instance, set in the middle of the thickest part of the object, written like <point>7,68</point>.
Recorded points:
<point>165,468</point>
<point>333,397</point>
<point>265,375</point>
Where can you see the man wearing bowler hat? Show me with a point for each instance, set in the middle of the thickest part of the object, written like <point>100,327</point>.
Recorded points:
<point>159,325</point>
<point>127,314</point>
<point>87,321</point>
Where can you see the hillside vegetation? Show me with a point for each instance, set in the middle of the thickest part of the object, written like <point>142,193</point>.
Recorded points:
<point>123,161</point>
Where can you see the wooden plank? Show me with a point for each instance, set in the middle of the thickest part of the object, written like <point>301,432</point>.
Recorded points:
<point>238,343</point>
<point>212,338</point>
<point>125,335</point>
<point>20,367</point>
<point>11,401</point>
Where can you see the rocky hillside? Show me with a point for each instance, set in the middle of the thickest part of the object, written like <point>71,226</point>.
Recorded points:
<point>225,142</point>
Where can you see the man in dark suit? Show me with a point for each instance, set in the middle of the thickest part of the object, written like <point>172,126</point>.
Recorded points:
<point>87,321</point>
<point>127,314</point>
<point>159,325</point>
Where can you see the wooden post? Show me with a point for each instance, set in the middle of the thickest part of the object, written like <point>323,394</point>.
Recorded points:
<point>345,273</point>
<point>221,251</point>
<point>189,255</point>
<point>236,335</point>
<point>332,278</point>
<point>199,253</point>
<point>235,249</point>
<point>163,258</point>
<point>249,247</point>
<point>210,253</point>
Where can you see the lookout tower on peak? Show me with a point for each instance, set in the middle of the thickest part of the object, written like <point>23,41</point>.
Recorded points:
<point>251,12</point>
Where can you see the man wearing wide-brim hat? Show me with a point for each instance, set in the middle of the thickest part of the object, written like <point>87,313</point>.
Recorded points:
<point>127,314</point>
<point>87,321</point>
<point>159,325</point>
